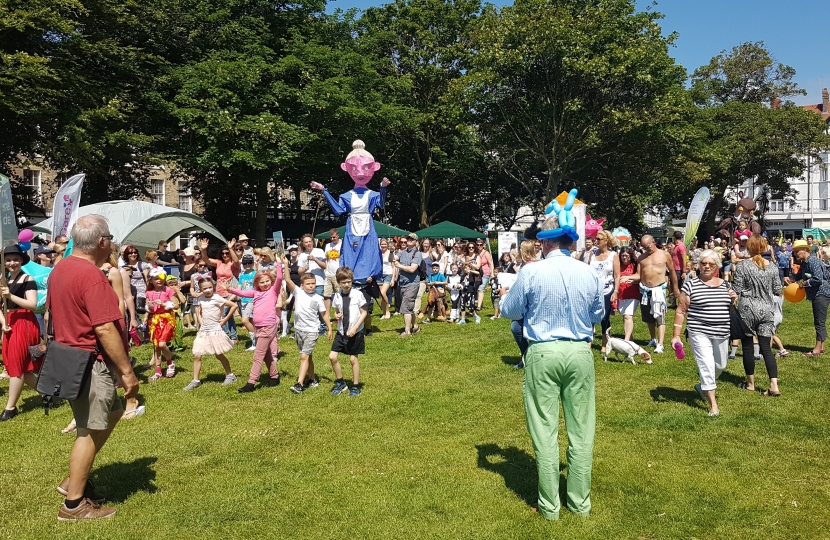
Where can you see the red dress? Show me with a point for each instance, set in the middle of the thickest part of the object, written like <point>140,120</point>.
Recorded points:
<point>25,331</point>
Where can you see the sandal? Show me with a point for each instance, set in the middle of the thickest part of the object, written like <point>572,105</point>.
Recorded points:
<point>70,428</point>
<point>811,354</point>
<point>770,394</point>
<point>138,411</point>
<point>405,334</point>
<point>745,386</point>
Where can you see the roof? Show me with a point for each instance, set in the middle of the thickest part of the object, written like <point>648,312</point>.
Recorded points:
<point>141,223</point>
<point>383,230</point>
<point>448,229</point>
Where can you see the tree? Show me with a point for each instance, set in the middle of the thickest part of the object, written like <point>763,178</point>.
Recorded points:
<point>423,47</point>
<point>744,132</point>
<point>557,85</point>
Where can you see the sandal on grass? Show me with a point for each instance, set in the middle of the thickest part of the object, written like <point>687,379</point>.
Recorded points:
<point>132,413</point>
<point>769,393</point>
<point>811,354</point>
<point>70,428</point>
<point>745,386</point>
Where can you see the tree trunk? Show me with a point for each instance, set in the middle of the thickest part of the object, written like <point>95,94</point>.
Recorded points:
<point>262,203</point>
<point>425,191</point>
<point>715,204</point>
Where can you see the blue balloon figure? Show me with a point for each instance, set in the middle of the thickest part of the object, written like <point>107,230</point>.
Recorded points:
<point>567,221</point>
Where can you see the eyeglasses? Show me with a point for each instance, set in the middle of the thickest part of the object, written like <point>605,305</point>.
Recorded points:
<point>708,264</point>
<point>107,237</point>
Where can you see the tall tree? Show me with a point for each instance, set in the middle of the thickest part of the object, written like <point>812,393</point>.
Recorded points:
<point>557,85</point>
<point>744,132</point>
<point>423,47</point>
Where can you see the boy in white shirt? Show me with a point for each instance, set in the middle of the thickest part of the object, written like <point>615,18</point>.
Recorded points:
<point>308,307</point>
<point>350,309</point>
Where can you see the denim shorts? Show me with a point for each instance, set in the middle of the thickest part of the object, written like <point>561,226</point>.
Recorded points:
<point>387,278</point>
<point>485,280</point>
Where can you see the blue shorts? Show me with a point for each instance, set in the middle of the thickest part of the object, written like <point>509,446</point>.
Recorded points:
<point>387,278</point>
<point>485,280</point>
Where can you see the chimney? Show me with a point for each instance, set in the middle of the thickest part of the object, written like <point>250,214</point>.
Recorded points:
<point>776,103</point>
<point>825,101</point>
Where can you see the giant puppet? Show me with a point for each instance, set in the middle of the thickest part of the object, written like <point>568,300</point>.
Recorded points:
<point>361,250</point>
<point>744,211</point>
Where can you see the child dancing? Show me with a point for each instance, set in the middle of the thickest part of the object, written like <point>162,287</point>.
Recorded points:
<point>162,324</point>
<point>211,339</point>
<point>265,317</point>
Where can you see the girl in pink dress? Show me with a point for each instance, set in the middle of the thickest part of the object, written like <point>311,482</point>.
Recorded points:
<point>266,295</point>
<point>162,321</point>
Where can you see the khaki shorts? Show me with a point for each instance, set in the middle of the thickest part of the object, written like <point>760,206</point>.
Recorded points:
<point>330,287</point>
<point>98,400</point>
<point>306,341</point>
<point>408,295</point>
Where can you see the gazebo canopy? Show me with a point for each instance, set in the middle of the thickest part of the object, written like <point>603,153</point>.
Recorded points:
<point>383,230</point>
<point>448,229</point>
<point>141,223</point>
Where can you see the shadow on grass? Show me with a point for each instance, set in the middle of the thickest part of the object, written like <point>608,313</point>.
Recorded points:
<point>121,480</point>
<point>511,360</point>
<point>731,378</point>
<point>517,467</point>
<point>687,397</point>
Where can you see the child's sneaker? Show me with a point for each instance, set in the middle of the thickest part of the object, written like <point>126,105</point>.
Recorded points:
<point>251,348</point>
<point>425,321</point>
<point>494,317</point>
<point>273,381</point>
<point>297,388</point>
<point>192,385</point>
<point>354,392</point>
<point>246,389</point>
<point>229,379</point>
<point>311,383</point>
<point>462,321</point>
<point>478,319</point>
<point>782,353</point>
<point>339,388</point>
<point>171,370</point>
<point>156,376</point>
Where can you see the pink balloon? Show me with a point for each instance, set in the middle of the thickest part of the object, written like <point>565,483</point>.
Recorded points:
<point>25,235</point>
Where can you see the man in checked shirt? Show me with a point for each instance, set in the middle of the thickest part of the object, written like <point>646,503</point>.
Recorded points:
<point>560,302</point>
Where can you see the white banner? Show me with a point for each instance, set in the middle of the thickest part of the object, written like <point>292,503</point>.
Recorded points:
<point>8,221</point>
<point>695,214</point>
<point>65,207</point>
<point>506,239</point>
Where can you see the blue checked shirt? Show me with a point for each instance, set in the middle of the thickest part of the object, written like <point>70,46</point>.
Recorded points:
<point>558,298</point>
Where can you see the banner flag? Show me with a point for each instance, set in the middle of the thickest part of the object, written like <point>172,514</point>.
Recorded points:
<point>65,207</point>
<point>8,221</point>
<point>696,209</point>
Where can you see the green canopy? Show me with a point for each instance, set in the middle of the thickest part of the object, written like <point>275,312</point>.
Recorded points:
<point>383,230</point>
<point>448,229</point>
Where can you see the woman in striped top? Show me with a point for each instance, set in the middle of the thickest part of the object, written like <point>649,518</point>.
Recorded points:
<point>704,302</point>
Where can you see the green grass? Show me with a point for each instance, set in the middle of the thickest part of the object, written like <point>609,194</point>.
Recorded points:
<point>436,447</point>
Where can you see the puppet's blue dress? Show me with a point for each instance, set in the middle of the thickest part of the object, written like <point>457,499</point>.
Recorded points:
<point>361,250</point>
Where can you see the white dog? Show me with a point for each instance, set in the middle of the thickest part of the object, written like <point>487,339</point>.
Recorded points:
<point>626,348</point>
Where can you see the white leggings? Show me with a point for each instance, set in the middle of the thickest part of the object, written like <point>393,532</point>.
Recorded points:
<point>711,354</point>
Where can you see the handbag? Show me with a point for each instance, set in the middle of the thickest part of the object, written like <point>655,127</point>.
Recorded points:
<point>65,372</point>
<point>736,329</point>
<point>140,305</point>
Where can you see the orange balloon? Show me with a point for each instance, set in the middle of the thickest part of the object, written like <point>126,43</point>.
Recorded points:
<point>794,293</point>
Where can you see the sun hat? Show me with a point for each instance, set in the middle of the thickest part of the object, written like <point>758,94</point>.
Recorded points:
<point>189,252</point>
<point>242,237</point>
<point>14,249</point>
<point>800,244</point>
<point>412,235</point>
<point>293,247</point>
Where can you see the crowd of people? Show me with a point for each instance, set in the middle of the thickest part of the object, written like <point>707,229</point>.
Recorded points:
<point>727,291</point>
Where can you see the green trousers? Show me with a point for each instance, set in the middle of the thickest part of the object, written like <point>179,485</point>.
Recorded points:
<point>554,371</point>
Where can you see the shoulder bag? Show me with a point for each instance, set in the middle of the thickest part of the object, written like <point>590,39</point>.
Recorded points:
<point>65,371</point>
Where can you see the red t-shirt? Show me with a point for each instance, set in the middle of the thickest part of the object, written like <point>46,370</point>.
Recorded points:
<point>80,297</point>
<point>628,291</point>
<point>678,256</point>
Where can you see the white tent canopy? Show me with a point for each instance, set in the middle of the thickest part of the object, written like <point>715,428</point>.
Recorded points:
<point>140,223</point>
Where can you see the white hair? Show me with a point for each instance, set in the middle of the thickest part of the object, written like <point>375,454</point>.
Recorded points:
<point>359,149</point>
<point>88,230</point>
<point>711,254</point>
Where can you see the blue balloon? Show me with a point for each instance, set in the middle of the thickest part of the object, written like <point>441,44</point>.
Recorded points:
<point>25,246</point>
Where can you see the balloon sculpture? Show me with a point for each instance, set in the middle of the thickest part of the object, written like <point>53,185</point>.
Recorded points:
<point>361,250</point>
<point>567,222</point>
<point>593,226</point>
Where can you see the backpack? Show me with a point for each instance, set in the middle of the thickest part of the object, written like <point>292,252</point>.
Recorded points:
<point>422,270</point>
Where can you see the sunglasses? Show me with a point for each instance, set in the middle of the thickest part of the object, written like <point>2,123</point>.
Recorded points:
<point>226,253</point>
<point>132,253</point>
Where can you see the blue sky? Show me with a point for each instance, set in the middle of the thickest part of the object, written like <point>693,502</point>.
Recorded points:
<point>797,33</point>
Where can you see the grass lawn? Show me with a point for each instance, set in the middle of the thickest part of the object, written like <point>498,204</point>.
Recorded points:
<point>436,447</point>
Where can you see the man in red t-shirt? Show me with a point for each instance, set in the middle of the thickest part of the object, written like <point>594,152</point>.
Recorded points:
<point>85,314</point>
<point>678,256</point>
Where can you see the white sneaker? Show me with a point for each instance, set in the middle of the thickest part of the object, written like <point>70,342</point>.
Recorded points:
<point>193,384</point>
<point>251,348</point>
<point>651,343</point>
<point>658,349</point>
<point>478,319</point>
<point>229,379</point>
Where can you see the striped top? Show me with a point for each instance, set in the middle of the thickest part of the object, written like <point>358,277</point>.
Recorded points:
<point>708,311</point>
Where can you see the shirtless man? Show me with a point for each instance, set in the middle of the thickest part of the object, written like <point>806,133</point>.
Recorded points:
<point>654,265</point>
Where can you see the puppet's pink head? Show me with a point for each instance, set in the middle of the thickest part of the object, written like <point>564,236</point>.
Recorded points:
<point>360,164</point>
<point>593,226</point>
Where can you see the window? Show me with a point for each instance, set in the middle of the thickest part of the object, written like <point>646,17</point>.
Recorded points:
<point>823,204</point>
<point>185,199</point>
<point>291,195</point>
<point>31,181</point>
<point>61,178</point>
<point>157,192</point>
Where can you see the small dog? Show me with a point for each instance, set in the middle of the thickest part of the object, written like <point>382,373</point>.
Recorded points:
<point>628,349</point>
